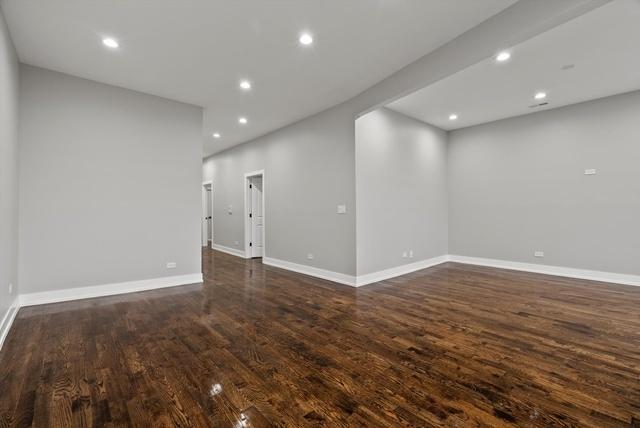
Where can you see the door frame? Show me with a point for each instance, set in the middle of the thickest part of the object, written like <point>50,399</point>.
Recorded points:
<point>247,222</point>
<point>205,236</point>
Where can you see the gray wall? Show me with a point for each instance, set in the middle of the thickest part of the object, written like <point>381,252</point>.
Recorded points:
<point>8,169</point>
<point>518,185</point>
<point>109,184</point>
<point>401,190</point>
<point>308,172</point>
<point>320,151</point>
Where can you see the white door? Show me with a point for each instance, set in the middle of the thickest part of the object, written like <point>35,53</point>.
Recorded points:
<point>255,215</point>
<point>209,216</point>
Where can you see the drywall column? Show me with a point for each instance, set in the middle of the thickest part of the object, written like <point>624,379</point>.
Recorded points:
<point>401,191</point>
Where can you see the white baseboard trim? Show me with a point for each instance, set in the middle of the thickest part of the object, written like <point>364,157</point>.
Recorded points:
<point>399,270</point>
<point>229,250</point>
<point>312,271</point>
<point>593,275</point>
<point>7,321</point>
<point>351,280</point>
<point>31,299</point>
<point>361,280</point>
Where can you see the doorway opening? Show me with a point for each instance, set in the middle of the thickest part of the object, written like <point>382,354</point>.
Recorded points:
<point>207,214</point>
<point>254,227</point>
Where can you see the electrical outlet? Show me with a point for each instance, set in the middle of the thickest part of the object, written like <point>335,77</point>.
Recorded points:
<point>410,254</point>
<point>342,209</point>
<point>310,256</point>
<point>10,288</point>
<point>237,242</point>
<point>538,254</point>
<point>171,265</point>
<point>404,254</point>
<point>590,172</point>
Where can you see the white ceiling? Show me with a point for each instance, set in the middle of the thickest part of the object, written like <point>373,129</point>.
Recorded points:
<point>196,51</point>
<point>603,45</point>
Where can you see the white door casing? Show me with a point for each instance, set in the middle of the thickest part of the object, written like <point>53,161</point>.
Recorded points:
<point>256,216</point>
<point>254,210</point>
<point>207,210</point>
<point>209,215</point>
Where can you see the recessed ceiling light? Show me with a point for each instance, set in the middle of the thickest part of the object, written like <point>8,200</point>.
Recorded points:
<point>110,43</point>
<point>540,96</point>
<point>453,116</point>
<point>216,135</point>
<point>245,84</point>
<point>306,39</point>
<point>503,56</point>
<point>242,120</point>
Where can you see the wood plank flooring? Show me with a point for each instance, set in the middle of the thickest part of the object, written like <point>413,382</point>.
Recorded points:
<point>255,346</point>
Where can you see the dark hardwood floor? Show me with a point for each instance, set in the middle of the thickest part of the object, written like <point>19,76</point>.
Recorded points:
<point>256,346</point>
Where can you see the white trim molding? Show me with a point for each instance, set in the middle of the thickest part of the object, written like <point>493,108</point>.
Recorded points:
<point>229,250</point>
<point>312,271</point>
<point>356,281</point>
<point>393,272</point>
<point>31,299</point>
<point>7,321</point>
<point>370,278</point>
<point>592,275</point>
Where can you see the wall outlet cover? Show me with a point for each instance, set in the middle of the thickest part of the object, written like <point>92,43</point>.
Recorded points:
<point>171,265</point>
<point>590,172</point>
<point>310,256</point>
<point>342,209</point>
<point>538,254</point>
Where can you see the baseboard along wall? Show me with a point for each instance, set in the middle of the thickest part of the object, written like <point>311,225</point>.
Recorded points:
<point>79,293</point>
<point>31,299</point>
<point>7,321</point>
<point>229,250</point>
<point>370,278</point>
